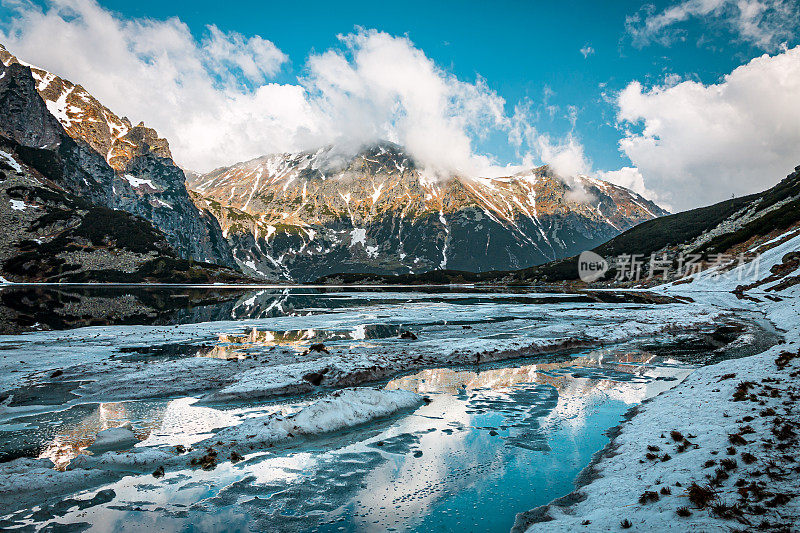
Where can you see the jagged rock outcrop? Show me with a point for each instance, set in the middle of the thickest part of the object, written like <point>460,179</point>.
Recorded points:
<point>53,235</point>
<point>154,188</point>
<point>91,152</point>
<point>302,216</point>
<point>24,117</point>
<point>84,117</point>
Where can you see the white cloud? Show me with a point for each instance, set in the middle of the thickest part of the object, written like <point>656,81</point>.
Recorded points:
<point>382,87</point>
<point>566,158</point>
<point>212,98</point>
<point>631,178</point>
<point>255,58</point>
<point>696,144</point>
<point>587,51</point>
<point>764,23</point>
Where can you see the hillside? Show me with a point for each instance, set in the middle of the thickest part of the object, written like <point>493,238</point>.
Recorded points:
<point>301,216</point>
<point>728,227</point>
<point>52,235</point>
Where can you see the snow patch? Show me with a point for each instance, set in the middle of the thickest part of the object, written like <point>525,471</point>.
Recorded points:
<point>358,235</point>
<point>114,439</point>
<point>11,161</point>
<point>138,182</point>
<point>19,205</point>
<point>343,409</point>
<point>162,203</point>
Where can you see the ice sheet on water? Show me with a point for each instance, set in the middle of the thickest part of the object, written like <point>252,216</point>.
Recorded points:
<point>114,439</point>
<point>342,409</point>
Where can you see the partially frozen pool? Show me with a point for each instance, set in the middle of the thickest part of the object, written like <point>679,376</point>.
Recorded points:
<point>519,390</point>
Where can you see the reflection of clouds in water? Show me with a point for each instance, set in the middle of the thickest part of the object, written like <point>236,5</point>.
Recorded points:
<point>407,486</point>
<point>534,400</point>
<point>184,423</point>
<point>283,468</point>
<point>72,440</point>
<point>581,382</point>
<point>578,394</point>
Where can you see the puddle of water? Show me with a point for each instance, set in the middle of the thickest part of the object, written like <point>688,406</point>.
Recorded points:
<point>494,440</point>
<point>491,443</point>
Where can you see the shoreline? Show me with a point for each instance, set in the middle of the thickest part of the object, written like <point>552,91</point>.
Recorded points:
<point>612,482</point>
<point>622,488</point>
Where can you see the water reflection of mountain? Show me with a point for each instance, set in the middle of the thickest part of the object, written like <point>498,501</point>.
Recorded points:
<point>632,376</point>
<point>231,346</point>
<point>538,410</point>
<point>26,308</point>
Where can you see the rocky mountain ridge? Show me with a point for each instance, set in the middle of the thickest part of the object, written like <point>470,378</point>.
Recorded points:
<point>101,157</point>
<point>301,216</point>
<point>719,236</point>
<point>305,215</point>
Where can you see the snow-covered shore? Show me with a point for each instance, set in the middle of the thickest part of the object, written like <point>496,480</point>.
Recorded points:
<point>730,429</point>
<point>272,369</point>
<point>194,369</point>
<point>24,482</point>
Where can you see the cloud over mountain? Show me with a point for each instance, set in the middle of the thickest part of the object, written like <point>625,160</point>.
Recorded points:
<point>213,97</point>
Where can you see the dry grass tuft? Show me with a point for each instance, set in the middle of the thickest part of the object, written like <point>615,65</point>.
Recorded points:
<point>648,496</point>
<point>701,495</point>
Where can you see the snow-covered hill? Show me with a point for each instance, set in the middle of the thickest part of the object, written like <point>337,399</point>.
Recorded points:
<point>304,215</point>
<point>67,135</point>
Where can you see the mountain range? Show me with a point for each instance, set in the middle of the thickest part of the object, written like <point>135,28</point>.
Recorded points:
<point>293,217</point>
<point>720,234</point>
<point>304,215</point>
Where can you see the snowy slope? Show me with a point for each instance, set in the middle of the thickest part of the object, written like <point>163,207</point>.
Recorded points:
<point>704,411</point>
<point>309,214</point>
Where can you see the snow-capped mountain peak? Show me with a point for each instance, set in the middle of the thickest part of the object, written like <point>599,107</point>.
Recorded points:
<point>84,117</point>
<point>380,189</point>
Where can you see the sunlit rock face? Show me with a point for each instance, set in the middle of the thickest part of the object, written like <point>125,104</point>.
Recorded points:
<point>305,215</point>
<point>69,136</point>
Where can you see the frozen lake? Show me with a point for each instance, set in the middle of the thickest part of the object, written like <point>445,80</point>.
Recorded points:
<point>282,409</point>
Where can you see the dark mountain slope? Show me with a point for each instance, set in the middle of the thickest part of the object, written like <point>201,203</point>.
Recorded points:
<point>66,133</point>
<point>719,228</point>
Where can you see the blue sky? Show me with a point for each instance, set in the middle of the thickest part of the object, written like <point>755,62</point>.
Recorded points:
<point>520,48</point>
<point>590,74</point>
